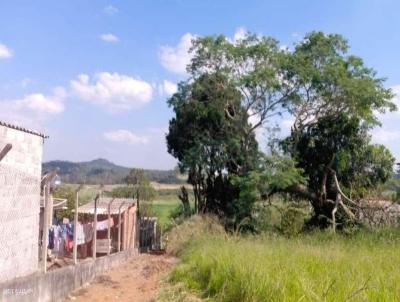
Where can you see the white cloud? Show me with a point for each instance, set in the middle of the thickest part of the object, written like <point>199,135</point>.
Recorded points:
<point>33,109</point>
<point>5,52</point>
<point>383,136</point>
<point>176,58</point>
<point>109,38</point>
<point>167,88</point>
<point>111,10</point>
<point>125,136</point>
<point>389,133</point>
<point>114,92</point>
<point>396,99</point>
<point>240,34</point>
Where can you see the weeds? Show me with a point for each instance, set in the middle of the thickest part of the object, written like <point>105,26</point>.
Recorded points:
<point>317,266</point>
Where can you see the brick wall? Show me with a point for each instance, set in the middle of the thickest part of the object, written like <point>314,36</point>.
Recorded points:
<point>20,175</point>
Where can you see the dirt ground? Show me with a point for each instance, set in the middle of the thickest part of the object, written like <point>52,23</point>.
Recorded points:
<point>135,281</point>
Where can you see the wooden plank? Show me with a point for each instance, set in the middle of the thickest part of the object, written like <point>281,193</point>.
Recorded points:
<point>103,246</point>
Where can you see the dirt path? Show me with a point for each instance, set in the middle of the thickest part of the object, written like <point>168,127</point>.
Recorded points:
<point>135,281</point>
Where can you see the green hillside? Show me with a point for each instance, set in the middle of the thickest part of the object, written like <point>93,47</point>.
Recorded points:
<point>102,171</point>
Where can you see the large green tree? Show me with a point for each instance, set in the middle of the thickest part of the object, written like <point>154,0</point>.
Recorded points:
<point>335,105</point>
<point>331,96</point>
<point>338,160</point>
<point>209,136</point>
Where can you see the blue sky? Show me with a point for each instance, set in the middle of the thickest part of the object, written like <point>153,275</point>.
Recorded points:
<point>95,75</point>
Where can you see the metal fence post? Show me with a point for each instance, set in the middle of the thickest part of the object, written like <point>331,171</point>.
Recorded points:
<point>45,235</point>
<point>94,248</point>
<point>76,227</point>
<point>109,227</point>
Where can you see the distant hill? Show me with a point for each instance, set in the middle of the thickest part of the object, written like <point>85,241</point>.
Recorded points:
<point>102,171</point>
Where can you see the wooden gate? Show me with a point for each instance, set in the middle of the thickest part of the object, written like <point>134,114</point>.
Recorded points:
<point>149,236</point>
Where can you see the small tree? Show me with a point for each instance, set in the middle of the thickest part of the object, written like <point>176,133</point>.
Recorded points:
<point>184,198</point>
<point>68,193</point>
<point>141,187</point>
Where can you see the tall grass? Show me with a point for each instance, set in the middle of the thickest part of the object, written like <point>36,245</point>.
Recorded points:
<point>313,267</point>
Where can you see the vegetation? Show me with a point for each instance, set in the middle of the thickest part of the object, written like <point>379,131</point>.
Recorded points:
<point>396,187</point>
<point>66,192</point>
<point>211,147</point>
<point>165,204</point>
<point>101,171</point>
<point>316,266</point>
<point>334,149</point>
<point>332,98</point>
<point>315,177</point>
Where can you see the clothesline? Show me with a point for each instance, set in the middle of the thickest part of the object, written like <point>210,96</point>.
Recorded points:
<point>61,236</point>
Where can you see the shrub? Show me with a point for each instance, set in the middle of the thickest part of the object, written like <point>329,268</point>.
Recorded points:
<point>191,229</point>
<point>292,221</point>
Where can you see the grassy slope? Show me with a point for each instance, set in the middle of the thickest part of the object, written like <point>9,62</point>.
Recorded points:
<point>317,267</point>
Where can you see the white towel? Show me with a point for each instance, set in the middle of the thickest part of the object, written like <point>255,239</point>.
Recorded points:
<point>103,225</point>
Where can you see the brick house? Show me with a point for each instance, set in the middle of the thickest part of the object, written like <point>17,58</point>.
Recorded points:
<point>20,178</point>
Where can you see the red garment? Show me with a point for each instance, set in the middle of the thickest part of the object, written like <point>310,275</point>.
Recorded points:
<point>69,244</point>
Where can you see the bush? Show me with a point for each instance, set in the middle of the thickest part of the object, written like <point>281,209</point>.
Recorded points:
<point>191,229</point>
<point>396,198</point>
<point>69,194</point>
<point>292,221</point>
<point>282,216</point>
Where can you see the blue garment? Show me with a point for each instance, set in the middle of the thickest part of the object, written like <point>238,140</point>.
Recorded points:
<point>63,231</point>
<point>70,231</point>
<point>51,239</point>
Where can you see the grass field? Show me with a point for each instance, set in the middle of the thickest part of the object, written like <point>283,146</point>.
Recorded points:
<point>163,207</point>
<point>314,267</point>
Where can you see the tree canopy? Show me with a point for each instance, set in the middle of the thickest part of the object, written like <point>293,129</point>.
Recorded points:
<point>209,137</point>
<point>331,96</point>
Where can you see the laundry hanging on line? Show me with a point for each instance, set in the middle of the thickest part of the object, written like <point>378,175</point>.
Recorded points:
<point>103,225</point>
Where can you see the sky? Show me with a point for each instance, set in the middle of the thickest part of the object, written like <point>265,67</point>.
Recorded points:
<point>95,75</point>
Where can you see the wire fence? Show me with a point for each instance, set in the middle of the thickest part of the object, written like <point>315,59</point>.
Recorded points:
<point>23,233</point>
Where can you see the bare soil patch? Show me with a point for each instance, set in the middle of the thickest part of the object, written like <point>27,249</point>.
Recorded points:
<point>135,281</point>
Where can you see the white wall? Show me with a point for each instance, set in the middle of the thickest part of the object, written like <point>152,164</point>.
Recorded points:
<point>20,175</point>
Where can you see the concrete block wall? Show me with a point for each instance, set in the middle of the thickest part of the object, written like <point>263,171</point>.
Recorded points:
<point>20,176</point>
<point>56,284</point>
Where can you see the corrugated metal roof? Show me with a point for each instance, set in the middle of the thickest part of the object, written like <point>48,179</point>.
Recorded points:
<point>34,132</point>
<point>103,203</point>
